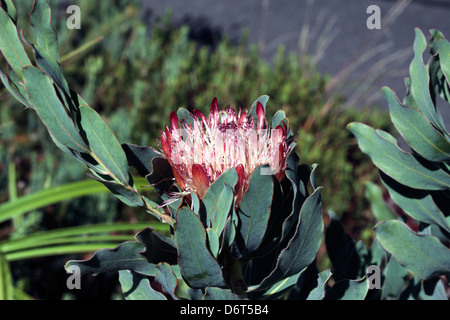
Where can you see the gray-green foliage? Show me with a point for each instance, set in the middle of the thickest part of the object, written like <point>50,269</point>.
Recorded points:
<point>417,180</point>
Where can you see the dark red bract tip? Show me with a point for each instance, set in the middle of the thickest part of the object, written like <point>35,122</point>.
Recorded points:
<point>261,115</point>
<point>200,180</point>
<point>173,120</point>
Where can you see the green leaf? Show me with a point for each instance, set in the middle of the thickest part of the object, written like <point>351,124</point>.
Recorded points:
<point>379,208</point>
<point>304,245</point>
<point>318,293</point>
<point>394,280</point>
<point>420,83</point>
<point>50,66</point>
<point>423,255</point>
<point>444,57</point>
<point>9,7</point>
<point>401,166</point>
<point>126,256</point>
<point>105,147</point>
<point>127,194</point>
<point>417,130</point>
<point>198,267</point>
<point>137,287</point>
<point>167,279</point>
<point>417,204</point>
<point>10,44</point>
<point>219,199</point>
<point>254,210</point>
<point>50,109</point>
<point>12,88</point>
<point>213,293</point>
<point>348,290</point>
<point>45,34</point>
<point>213,240</point>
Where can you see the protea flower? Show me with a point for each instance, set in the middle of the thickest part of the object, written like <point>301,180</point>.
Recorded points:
<point>200,151</point>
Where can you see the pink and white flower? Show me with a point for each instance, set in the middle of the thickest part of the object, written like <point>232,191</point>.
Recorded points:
<point>200,151</point>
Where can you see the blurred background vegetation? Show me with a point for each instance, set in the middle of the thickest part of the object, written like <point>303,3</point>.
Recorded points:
<point>135,75</point>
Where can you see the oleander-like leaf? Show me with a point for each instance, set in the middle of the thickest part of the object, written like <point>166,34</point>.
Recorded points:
<point>423,255</point>
<point>417,130</point>
<point>198,267</point>
<point>12,88</point>
<point>9,7</point>
<point>420,80</point>
<point>41,21</point>
<point>444,57</point>
<point>254,210</point>
<point>137,287</point>
<point>104,145</point>
<point>50,109</point>
<point>401,166</point>
<point>10,44</point>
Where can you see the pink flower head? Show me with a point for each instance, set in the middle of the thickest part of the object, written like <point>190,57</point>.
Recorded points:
<point>201,150</point>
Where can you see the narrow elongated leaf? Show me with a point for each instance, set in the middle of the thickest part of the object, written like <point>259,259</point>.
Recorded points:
<point>127,194</point>
<point>417,130</point>
<point>423,255</point>
<point>9,7</point>
<point>6,280</point>
<point>417,204</point>
<point>198,267</point>
<point>444,57</point>
<point>12,88</point>
<point>104,145</point>
<point>420,80</point>
<point>137,287</point>
<point>304,245</point>
<point>126,256</point>
<point>10,44</point>
<point>254,210</point>
<point>401,166</point>
<point>50,109</point>
<point>41,21</point>
<point>49,65</point>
